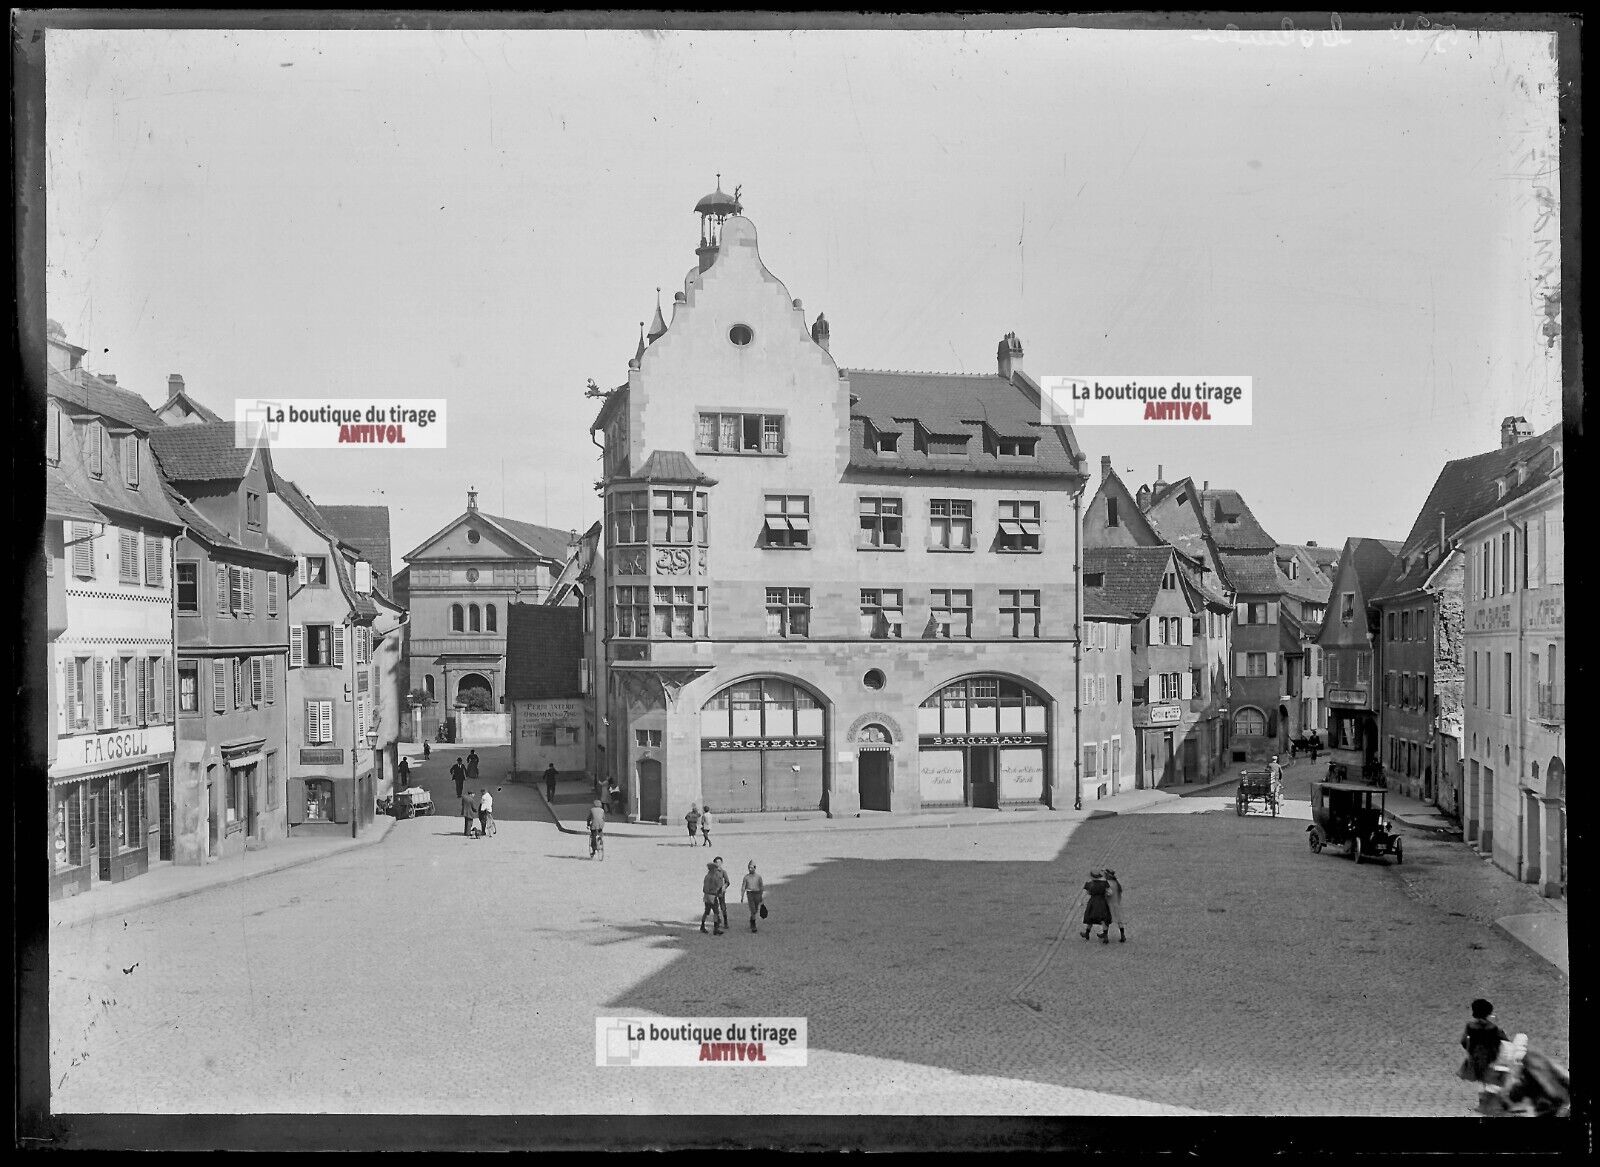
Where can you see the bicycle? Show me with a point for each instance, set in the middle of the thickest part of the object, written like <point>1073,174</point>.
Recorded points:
<point>597,845</point>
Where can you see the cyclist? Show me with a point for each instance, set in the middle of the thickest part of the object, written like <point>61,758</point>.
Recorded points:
<point>597,827</point>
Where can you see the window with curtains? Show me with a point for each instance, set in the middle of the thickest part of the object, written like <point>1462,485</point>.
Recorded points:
<point>188,686</point>
<point>680,613</point>
<point>632,608</point>
<point>1019,615</point>
<point>1019,525</point>
<point>880,522</point>
<point>882,613</point>
<point>789,612</point>
<point>739,433</point>
<point>950,524</point>
<point>672,515</point>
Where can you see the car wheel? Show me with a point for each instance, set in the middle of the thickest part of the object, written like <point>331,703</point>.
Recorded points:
<point>1397,856</point>
<point>1316,843</point>
<point>1238,807</point>
<point>1355,850</point>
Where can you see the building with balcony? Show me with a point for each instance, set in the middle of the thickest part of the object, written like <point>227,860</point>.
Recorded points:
<point>109,536</point>
<point>231,585</point>
<point>456,585</point>
<point>829,588</point>
<point>1515,648</point>
<point>1349,640</point>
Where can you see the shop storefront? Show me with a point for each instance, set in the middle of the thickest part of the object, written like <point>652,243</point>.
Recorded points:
<point>762,748</point>
<point>324,803</point>
<point>984,742</point>
<point>106,807</point>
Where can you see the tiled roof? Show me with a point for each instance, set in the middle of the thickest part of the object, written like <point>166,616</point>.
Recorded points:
<point>976,406</point>
<point>1253,574</point>
<point>1372,559</point>
<point>1465,491</point>
<point>1210,591</point>
<point>543,647</point>
<point>302,506</point>
<point>87,391</point>
<point>1098,605</point>
<point>1132,576</point>
<point>200,453</point>
<point>1309,582</point>
<point>63,502</point>
<point>366,528</point>
<point>110,492</point>
<point>182,398</point>
<point>547,541</point>
<point>1233,525</point>
<point>670,466</point>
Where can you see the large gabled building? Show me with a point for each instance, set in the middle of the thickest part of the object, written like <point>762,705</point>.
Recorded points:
<point>1348,639</point>
<point>830,588</point>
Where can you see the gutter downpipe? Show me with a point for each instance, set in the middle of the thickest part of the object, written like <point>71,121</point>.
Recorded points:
<point>1077,647</point>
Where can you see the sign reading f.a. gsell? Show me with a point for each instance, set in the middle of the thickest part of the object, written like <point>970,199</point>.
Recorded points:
<point>105,748</point>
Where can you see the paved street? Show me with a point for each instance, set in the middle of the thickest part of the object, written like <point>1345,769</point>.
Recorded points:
<point>940,969</point>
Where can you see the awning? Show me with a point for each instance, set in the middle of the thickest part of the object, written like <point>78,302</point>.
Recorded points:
<point>777,523</point>
<point>246,760</point>
<point>799,524</point>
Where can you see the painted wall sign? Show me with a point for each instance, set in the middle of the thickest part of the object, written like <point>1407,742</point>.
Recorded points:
<point>761,743</point>
<point>1022,774</point>
<point>976,739</point>
<point>942,775</point>
<point>322,757</point>
<point>1491,619</point>
<point>98,749</point>
<point>1549,614</point>
<point>547,713</point>
<point>1347,696</point>
<point>1164,715</point>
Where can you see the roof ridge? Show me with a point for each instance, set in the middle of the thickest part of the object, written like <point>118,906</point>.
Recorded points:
<point>923,373</point>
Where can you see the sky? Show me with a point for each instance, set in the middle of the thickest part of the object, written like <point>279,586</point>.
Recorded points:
<point>1361,226</point>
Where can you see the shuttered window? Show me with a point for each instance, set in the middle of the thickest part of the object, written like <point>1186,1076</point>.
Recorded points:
<point>154,555</point>
<point>271,679</point>
<point>141,672</point>
<point>82,551</point>
<point>297,646</point>
<point>235,588</point>
<point>338,646</point>
<point>128,557</point>
<point>319,722</point>
<point>272,593</point>
<point>96,437</point>
<point>219,686</point>
<point>247,590</point>
<point>222,590</point>
<point>102,702</point>
<point>130,458</point>
<point>256,682</point>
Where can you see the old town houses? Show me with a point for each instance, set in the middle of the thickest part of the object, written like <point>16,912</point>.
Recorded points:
<point>109,537</point>
<point>231,585</point>
<point>1348,639</point>
<point>829,588</point>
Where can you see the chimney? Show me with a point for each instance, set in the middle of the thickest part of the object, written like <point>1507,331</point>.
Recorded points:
<point>1311,542</point>
<point>819,331</point>
<point>174,384</point>
<point>1009,355</point>
<point>1142,497</point>
<point>472,499</point>
<point>108,378</point>
<point>1514,430</point>
<point>1161,478</point>
<point>1205,485</point>
<point>1441,535</point>
<point>1105,466</point>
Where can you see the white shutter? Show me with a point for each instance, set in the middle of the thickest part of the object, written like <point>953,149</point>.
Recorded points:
<point>1272,612</point>
<point>247,590</point>
<point>272,593</point>
<point>325,721</point>
<point>222,590</point>
<point>219,686</point>
<point>1241,664</point>
<point>1100,690</point>
<point>64,696</point>
<point>1275,662</point>
<point>255,680</point>
<point>271,668</point>
<point>363,580</point>
<point>141,666</point>
<point>1554,550</point>
<point>297,646</point>
<point>1185,686</point>
<point>300,570</point>
<point>337,634</point>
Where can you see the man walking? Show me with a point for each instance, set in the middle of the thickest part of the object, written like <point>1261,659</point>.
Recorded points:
<point>550,782</point>
<point>711,888</point>
<point>692,820</point>
<point>405,773</point>
<point>469,813</point>
<point>751,890</point>
<point>722,896</point>
<point>705,825</point>
<point>1276,771</point>
<point>472,765</point>
<point>486,812</point>
<point>459,773</point>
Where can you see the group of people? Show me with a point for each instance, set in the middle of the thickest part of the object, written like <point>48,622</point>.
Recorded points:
<point>1512,1079</point>
<point>1104,906</point>
<point>698,820</point>
<point>714,891</point>
<point>477,806</point>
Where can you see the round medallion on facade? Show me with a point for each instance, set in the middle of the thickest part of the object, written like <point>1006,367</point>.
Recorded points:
<point>741,335</point>
<point>472,575</point>
<point>473,536</point>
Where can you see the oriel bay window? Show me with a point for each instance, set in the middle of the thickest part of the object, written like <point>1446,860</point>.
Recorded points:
<point>630,517</point>
<point>632,608</point>
<point>789,612</point>
<point>950,523</point>
<point>882,613</point>
<point>677,516</point>
<point>680,613</point>
<point>1019,525</point>
<point>787,521</point>
<point>880,522</point>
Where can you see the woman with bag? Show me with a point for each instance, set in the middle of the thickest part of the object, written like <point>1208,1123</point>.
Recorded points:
<point>1114,900</point>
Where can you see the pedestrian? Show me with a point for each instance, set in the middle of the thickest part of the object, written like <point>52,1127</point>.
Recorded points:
<point>722,896</point>
<point>1097,910</point>
<point>1276,771</point>
<point>692,821</point>
<point>472,765</point>
<point>752,890</point>
<point>710,888</point>
<point>1114,901</point>
<point>705,824</point>
<point>1481,1040</point>
<point>614,795</point>
<point>550,782</point>
<point>426,749</point>
<point>486,812</point>
<point>459,773</point>
<point>469,813</point>
<point>405,773</point>
<point>1316,744</point>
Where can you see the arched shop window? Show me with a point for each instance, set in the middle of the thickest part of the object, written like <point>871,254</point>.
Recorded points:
<point>982,705</point>
<point>762,748</point>
<point>1250,723</point>
<point>766,708</point>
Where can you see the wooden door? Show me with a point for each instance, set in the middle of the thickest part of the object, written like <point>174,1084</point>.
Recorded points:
<point>649,790</point>
<point>872,766</point>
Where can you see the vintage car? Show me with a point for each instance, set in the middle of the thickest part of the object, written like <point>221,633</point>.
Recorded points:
<point>1348,815</point>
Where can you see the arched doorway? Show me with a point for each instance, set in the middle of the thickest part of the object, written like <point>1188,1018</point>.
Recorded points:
<point>874,766</point>
<point>982,741</point>
<point>762,747</point>
<point>475,694</point>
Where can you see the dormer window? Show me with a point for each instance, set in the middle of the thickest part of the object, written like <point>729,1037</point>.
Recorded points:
<point>130,459</point>
<point>1294,569</point>
<point>1016,447</point>
<point>1094,579</point>
<point>947,445</point>
<point>1555,457</point>
<point>52,434</point>
<point>97,452</point>
<point>1522,473</point>
<point>1500,488</point>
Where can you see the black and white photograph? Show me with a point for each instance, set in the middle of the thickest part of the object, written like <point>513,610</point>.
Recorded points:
<point>1061,516</point>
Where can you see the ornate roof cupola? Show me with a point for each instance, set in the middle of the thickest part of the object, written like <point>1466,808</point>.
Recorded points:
<point>714,210</point>
<point>658,326</point>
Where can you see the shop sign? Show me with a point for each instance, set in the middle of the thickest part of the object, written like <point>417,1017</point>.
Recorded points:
<point>1347,696</point>
<point>101,748</point>
<point>761,743</point>
<point>1492,619</point>
<point>1549,614</point>
<point>533,716</point>
<point>1163,715</point>
<point>984,739</point>
<point>322,757</point>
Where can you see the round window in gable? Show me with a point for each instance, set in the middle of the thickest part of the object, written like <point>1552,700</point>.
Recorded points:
<point>873,679</point>
<point>472,575</point>
<point>741,335</point>
<point>473,536</point>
